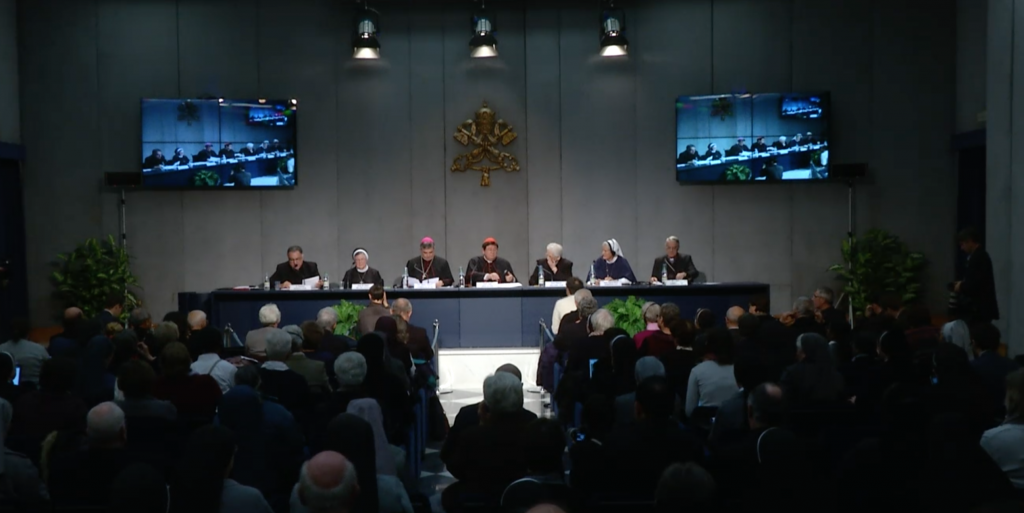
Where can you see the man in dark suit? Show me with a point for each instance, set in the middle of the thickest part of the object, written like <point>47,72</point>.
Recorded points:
<point>469,416</point>
<point>759,146</point>
<point>154,160</point>
<point>677,266</point>
<point>797,141</point>
<point>554,267</point>
<point>113,305</point>
<point>737,148</point>
<point>777,342</point>
<point>641,449</point>
<point>772,170</point>
<point>977,289</point>
<point>327,320</point>
<point>206,153</point>
<point>249,150</point>
<point>227,152</point>
<point>264,148</point>
<point>419,342</point>
<point>240,177</point>
<point>295,270</point>
<point>989,364</point>
<point>688,155</point>
<point>781,144</point>
<point>823,298</point>
<point>489,266</point>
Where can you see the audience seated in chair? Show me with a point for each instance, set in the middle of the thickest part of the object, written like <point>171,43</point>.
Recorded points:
<point>256,340</point>
<point>202,478</point>
<point>209,362</point>
<point>20,486</point>
<point>469,417</point>
<point>625,404</point>
<point>139,488</point>
<point>544,447</point>
<point>312,370</point>
<point>51,408</point>
<point>281,384</point>
<point>686,487</point>
<point>990,365</point>
<point>350,369</point>
<point>328,483</point>
<point>712,381</point>
<point>194,396</point>
<point>587,453</point>
<point>332,343</point>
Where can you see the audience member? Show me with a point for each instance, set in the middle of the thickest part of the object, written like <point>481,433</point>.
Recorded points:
<point>661,342</point>
<point>712,381</point>
<point>469,416</point>
<point>395,344</point>
<point>140,321</point>
<point>68,323</point>
<point>989,364</point>
<point>625,403</point>
<point>312,370</point>
<point>95,382</point>
<point>113,306</point>
<point>680,362</point>
<point>327,484</point>
<point>279,383</point>
<point>312,346</point>
<point>956,332</point>
<point>137,382</point>
<point>587,453</point>
<point>112,329</point>
<point>813,381</point>
<point>333,343</point>
<point>651,312</point>
<point>822,299</point>
<point>615,376</point>
<point>163,334</point>
<point>544,449</point>
<point>195,396</point>
<point>895,366</point>
<point>686,487</point>
<point>27,354</point>
<point>1005,443</point>
<point>490,455</point>
<point>352,437</point>
<point>180,319</point>
<point>858,371</point>
<point>256,340</point>
<point>209,362</point>
<point>388,387</point>
<point>732,323</point>
<point>377,308</point>
<point>139,488</point>
<point>802,319</point>
<point>731,419</point>
<point>126,348</point>
<point>51,408</point>
<point>78,331</point>
<point>921,334</point>
<point>642,449</point>
<point>776,342</point>
<point>20,485</point>
<point>595,346</point>
<point>419,343</point>
<point>8,390</point>
<point>204,483</point>
<point>882,311</point>
<point>350,369</point>
<point>567,304</point>
<point>389,458</point>
<point>573,326</point>
<point>956,461</point>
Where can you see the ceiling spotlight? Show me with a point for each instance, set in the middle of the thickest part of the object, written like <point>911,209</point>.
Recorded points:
<point>220,100</point>
<point>294,101</point>
<point>483,43</point>
<point>365,44</point>
<point>613,24</point>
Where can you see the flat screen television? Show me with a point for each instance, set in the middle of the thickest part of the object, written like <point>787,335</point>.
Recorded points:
<point>739,138</point>
<point>219,144</point>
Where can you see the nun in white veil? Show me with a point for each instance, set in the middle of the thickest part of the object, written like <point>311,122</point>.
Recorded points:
<point>361,272</point>
<point>612,264</point>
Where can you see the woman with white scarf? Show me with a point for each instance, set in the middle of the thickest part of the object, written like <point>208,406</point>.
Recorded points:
<point>361,272</point>
<point>611,266</point>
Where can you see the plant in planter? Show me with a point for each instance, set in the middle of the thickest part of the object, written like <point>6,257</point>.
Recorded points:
<point>736,173</point>
<point>628,314</point>
<point>93,270</point>
<point>879,262</point>
<point>205,178</point>
<point>188,112</point>
<point>721,108</point>
<point>348,316</point>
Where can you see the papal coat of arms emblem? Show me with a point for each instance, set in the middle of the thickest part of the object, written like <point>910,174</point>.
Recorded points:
<point>487,135</point>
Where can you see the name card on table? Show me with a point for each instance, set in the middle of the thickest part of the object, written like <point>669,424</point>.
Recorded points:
<point>613,283</point>
<point>362,286</point>
<point>299,287</point>
<point>677,283</point>
<point>554,284</point>
<point>497,285</point>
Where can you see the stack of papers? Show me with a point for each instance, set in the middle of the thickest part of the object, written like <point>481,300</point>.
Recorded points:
<point>413,283</point>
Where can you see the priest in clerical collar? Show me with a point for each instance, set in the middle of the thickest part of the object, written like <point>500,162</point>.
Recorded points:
<point>489,266</point>
<point>361,272</point>
<point>428,265</point>
<point>295,270</point>
<point>677,266</point>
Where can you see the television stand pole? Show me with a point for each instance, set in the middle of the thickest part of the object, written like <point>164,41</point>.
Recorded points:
<point>849,241</point>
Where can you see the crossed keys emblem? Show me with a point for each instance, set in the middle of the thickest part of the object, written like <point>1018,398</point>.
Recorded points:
<point>486,134</point>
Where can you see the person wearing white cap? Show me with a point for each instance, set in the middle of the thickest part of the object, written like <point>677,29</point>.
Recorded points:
<point>361,272</point>
<point>612,265</point>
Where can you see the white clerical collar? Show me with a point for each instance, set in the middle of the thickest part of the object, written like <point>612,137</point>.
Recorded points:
<point>612,261</point>
<point>363,270</point>
<point>488,261</point>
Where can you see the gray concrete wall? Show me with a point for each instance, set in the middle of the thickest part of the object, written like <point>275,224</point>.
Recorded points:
<point>10,113</point>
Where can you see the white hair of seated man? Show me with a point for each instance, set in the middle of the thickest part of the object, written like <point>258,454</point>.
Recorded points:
<point>327,319</point>
<point>601,321</point>
<point>503,393</point>
<point>279,345</point>
<point>350,368</point>
<point>105,423</point>
<point>580,294</point>
<point>270,315</point>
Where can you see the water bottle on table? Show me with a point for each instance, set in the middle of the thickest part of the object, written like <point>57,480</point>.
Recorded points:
<point>405,277</point>
<point>327,282</point>
<point>593,275</point>
<point>266,282</point>
<point>462,278</point>
<point>664,273</point>
<point>540,275</point>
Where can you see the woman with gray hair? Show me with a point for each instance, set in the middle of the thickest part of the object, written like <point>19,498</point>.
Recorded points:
<point>553,266</point>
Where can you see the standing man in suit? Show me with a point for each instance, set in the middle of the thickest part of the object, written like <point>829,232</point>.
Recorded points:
<point>295,270</point>
<point>977,289</point>
<point>113,305</point>
<point>679,267</point>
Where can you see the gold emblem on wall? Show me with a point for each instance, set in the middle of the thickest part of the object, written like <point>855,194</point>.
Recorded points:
<point>487,135</point>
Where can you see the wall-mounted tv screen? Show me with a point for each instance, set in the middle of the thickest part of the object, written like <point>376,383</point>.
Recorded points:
<point>752,137</point>
<point>236,144</point>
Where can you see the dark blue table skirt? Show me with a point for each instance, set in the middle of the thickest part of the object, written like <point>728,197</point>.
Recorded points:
<point>467,318</point>
<point>182,179</point>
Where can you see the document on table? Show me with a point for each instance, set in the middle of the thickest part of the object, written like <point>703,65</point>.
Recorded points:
<point>554,284</point>
<point>496,285</point>
<point>430,283</point>
<point>311,282</point>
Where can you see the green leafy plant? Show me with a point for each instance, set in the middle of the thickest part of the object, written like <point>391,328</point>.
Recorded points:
<point>188,112</point>
<point>879,262</point>
<point>94,269</point>
<point>206,178</point>
<point>721,108</point>
<point>628,314</point>
<point>816,157</point>
<point>348,316</point>
<point>736,173</point>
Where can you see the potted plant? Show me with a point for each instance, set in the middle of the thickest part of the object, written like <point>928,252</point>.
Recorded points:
<point>879,262</point>
<point>628,314</point>
<point>205,178</point>
<point>348,316</point>
<point>736,173</point>
<point>85,276</point>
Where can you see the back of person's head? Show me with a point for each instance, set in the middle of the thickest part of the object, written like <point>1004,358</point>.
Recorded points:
<point>350,368</point>
<point>969,234</point>
<point>765,405</point>
<point>651,312</point>
<point>511,369</point>
<point>207,460</point>
<point>248,375</point>
<point>602,320</point>
<point>58,375</point>
<point>985,336</point>
<point>684,332</point>
<point>112,329</point>
<point>328,483</point>
<point>139,318</point>
<point>648,366</point>
<point>270,315</point>
<point>139,488</point>
<point>175,361</point>
<point>669,313</point>
<point>894,346</point>
<point>113,300</point>
<point>377,293</point>
<point>761,303</point>
<point>750,372</point>
<point>573,284</point>
<point>327,319</point>
<point>586,306</point>
<point>312,335</point>
<point>749,324</point>
<point>705,319</point>
<point>6,366</point>
<point>865,342</point>
<point>401,306</point>
<point>503,393</point>
<point>598,416</point>
<point>803,307</point>
<point>655,398</point>
<point>1015,394</point>
<point>295,333</point>
<point>279,345</point>
<point>720,345</point>
<point>165,333</point>
<point>125,348</point>
<point>581,294</point>
<point>181,320</point>
<point>904,412</point>
<point>20,329</point>
<point>890,301</point>
<point>544,446</point>
<point>136,379</point>
<point>950,363</point>
<point>685,487</point>
<point>105,424</point>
